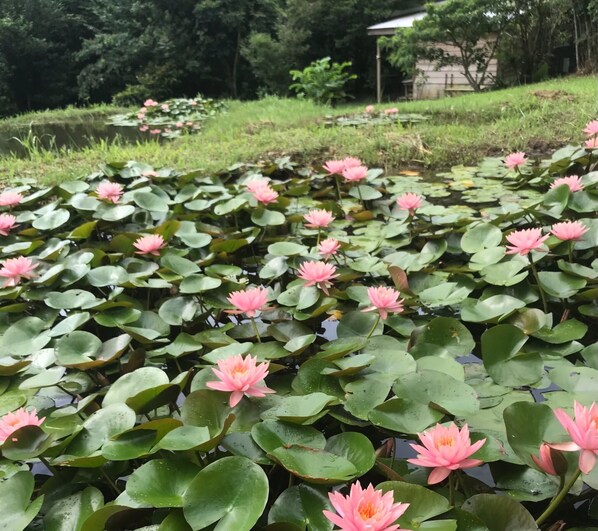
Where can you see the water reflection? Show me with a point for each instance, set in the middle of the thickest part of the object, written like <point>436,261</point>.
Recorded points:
<point>22,142</point>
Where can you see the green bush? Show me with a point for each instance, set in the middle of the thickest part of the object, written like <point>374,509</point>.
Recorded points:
<point>322,81</point>
<point>132,95</point>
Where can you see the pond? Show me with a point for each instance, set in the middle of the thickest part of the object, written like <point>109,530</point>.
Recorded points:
<point>23,141</point>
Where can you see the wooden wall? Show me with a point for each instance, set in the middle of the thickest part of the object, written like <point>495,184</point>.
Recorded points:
<point>431,83</point>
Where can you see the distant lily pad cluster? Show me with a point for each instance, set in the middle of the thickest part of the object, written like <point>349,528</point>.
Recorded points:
<point>170,118</point>
<point>372,116</point>
<point>301,348</point>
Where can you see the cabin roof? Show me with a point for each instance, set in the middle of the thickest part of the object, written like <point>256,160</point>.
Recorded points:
<point>405,21</point>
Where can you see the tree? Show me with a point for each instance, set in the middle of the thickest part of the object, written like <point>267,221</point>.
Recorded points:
<point>465,33</point>
<point>37,65</point>
<point>537,27</point>
<point>308,30</point>
<point>584,17</point>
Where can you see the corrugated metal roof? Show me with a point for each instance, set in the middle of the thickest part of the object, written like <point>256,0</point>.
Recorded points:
<point>390,26</point>
<point>396,23</point>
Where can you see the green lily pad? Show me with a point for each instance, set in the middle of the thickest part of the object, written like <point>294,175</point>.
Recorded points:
<point>15,493</point>
<point>162,482</point>
<point>232,491</point>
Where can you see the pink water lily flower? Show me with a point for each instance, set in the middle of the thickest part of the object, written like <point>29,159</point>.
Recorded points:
<point>144,128</point>
<point>514,160</point>
<point>365,509</point>
<point>334,167</point>
<point>384,300</point>
<point>110,192</point>
<point>591,128</point>
<point>569,230</point>
<point>369,109</point>
<point>317,274</point>
<point>544,460</point>
<point>265,195</point>
<point>7,223</point>
<point>10,198</point>
<point>409,201</point>
<point>256,184</point>
<point>352,162</point>
<point>446,449</point>
<point>149,244</point>
<point>572,181</point>
<point>164,106</point>
<point>355,173</point>
<point>14,269</point>
<point>583,431</point>
<point>388,112</point>
<point>318,218</point>
<point>328,247</point>
<point>179,124</point>
<point>524,241</point>
<point>141,116</point>
<point>20,418</point>
<point>592,143</point>
<point>248,301</point>
<point>150,103</point>
<point>240,376</point>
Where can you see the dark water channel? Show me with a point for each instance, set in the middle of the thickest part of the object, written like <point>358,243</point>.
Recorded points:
<point>22,142</point>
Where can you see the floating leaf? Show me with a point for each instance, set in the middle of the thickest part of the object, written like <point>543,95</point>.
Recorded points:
<point>232,491</point>
<point>161,482</point>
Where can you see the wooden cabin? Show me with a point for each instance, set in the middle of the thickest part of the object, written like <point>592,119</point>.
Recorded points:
<point>429,83</point>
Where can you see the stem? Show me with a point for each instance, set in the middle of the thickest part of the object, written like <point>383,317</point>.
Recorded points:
<point>360,198</point>
<point>558,498</point>
<point>319,234</point>
<point>255,329</point>
<point>73,395</point>
<point>452,489</point>
<point>374,327</point>
<point>52,469</point>
<point>535,273</point>
<point>338,190</point>
<point>571,252</point>
<point>110,482</point>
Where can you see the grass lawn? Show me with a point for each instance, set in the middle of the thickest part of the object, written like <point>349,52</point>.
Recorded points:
<point>461,130</point>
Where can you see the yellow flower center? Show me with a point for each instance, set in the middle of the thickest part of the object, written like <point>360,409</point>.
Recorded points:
<point>594,423</point>
<point>366,510</point>
<point>447,440</point>
<point>239,369</point>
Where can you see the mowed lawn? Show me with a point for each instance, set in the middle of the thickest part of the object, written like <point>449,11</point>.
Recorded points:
<point>460,130</point>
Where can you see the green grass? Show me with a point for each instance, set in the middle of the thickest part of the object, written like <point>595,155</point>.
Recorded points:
<point>461,130</point>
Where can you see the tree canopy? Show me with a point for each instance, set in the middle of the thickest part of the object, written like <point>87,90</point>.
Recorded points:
<point>59,52</point>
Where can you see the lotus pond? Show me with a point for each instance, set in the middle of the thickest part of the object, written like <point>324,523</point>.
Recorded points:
<point>112,343</point>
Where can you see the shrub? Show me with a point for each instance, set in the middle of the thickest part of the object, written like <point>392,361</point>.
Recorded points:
<point>322,81</point>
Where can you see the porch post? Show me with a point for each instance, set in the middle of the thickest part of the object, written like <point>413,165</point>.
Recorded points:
<point>378,71</point>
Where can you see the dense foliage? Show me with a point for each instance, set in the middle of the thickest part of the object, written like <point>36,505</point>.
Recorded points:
<point>57,52</point>
<point>124,291</point>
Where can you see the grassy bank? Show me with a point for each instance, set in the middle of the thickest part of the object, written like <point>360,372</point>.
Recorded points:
<point>461,130</point>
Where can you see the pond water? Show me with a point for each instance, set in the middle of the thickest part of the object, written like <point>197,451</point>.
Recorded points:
<point>22,141</point>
